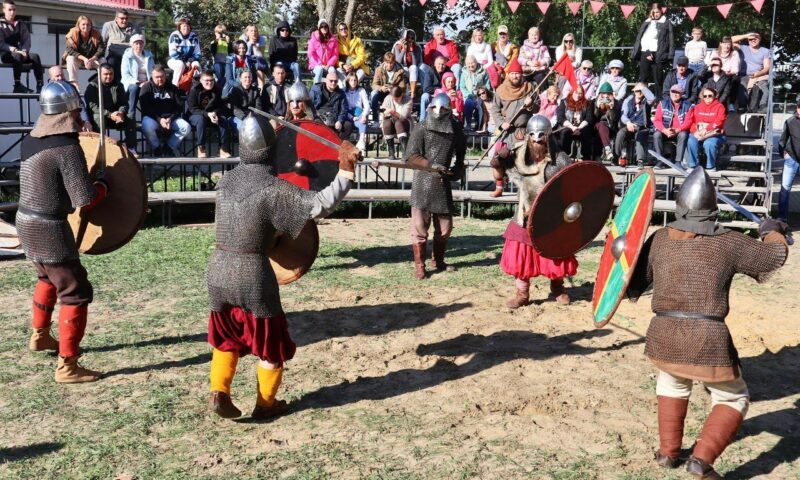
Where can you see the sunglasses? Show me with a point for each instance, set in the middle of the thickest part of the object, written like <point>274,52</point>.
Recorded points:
<point>676,92</point>
<point>481,93</point>
<point>708,96</point>
<point>637,91</point>
<point>569,41</point>
<point>503,34</point>
<point>586,68</point>
<point>283,29</point>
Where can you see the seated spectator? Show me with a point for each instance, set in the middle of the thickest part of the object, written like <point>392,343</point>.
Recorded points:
<point>534,57</point>
<point>789,148</point>
<point>137,66</point>
<point>15,48</point>
<point>207,108</point>
<point>635,124</point>
<point>243,96</point>
<point>614,78</point>
<point>489,121</point>
<point>718,80</point>
<point>696,50</point>
<point>357,108</point>
<point>323,51</point>
<point>115,105</point>
<point>409,55</point>
<point>441,46</point>
<point>473,78</point>
<point>84,48</point>
<point>671,123</point>
<point>433,81</point>
<point>330,104</point>
<point>299,103</point>
<point>731,61</point>
<point>257,49</point>
<point>117,35</point>
<point>480,51</point>
<point>162,109</point>
<point>220,48</point>
<point>184,50</point>
<point>548,103</point>
<point>574,52</point>
<point>450,89</point>
<point>604,119</point>
<point>352,56</point>
<point>708,120</point>
<point>275,94</point>
<point>573,119</point>
<point>283,49</point>
<point>56,74</point>
<point>396,119</point>
<point>754,85</point>
<point>387,75</point>
<point>587,79</point>
<point>684,77</point>
<point>236,64</point>
<point>503,52</point>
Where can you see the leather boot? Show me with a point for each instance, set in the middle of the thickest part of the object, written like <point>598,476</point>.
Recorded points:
<point>412,89</point>
<point>419,259</point>
<point>557,290</point>
<point>221,404</point>
<point>439,247</point>
<point>390,148</point>
<point>42,340</point>
<point>404,143</point>
<point>671,417</point>
<point>701,469</point>
<point>68,371</point>
<point>278,408</point>
<point>520,299</point>
<point>718,432</point>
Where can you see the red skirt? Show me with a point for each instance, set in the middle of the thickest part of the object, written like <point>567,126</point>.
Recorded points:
<point>236,330</point>
<point>522,261</point>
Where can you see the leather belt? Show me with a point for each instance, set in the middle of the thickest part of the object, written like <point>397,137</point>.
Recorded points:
<point>696,316</point>
<point>43,216</point>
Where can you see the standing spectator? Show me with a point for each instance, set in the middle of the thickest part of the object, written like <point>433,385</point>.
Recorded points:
<point>257,49</point>
<point>236,64</point>
<point>206,108</point>
<point>696,50</point>
<point>708,120</point>
<point>604,119</point>
<point>534,56</point>
<point>614,78</point>
<point>409,55</point>
<point>137,66</point>
<point>433,81</point>
<point>243,96</point>
<point>449,88</point>
<point>718,80</point>
<point>672,123</point>
<point>323,51</point>
<point>548,103</point>
<point>479,49</point>
<point>684,77</point>
<point>396,119</point>
<point>654,47</point>
<point>585,78</point>
<point>357,108</point>
<point>789,147</point>
<point>15,47</point>
<point>352,56</point>
<point>162,109</point>
<point>754,89</point>
<point>486,97</point>
<point>184,50</point>
<point>504,52</point>
<point>568,46</point>
<point>56,74</point>
<point>276,93</point>
<point>387,75</point>
<point>84,48</point>
<point>473,78</point>
<point>115,105</point>
<point>117,35</point>
<point>283,49</point>
<point>220,48</point>
<point>440,46</point>
<point>573,118</point>
<point>731,62</point>
<point>635,124</point>
<point>330,104</point>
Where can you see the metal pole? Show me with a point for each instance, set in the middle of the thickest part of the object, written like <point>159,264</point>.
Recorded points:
<point>583,23</point>
<point>768,130</point>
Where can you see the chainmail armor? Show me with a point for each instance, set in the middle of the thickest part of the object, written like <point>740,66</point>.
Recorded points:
<point>254,156</point>
<point>252,206</point>
<point>562,161</point>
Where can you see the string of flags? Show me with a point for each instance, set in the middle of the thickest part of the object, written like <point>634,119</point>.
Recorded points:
<point>596,5</point>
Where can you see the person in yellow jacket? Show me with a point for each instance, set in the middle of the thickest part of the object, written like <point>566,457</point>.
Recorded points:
<point>352,56</point>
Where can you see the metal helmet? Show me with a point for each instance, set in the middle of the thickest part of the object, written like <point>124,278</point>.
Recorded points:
<point>59,97</point>
<point>440,105</point>
<point>298,93</point>
<point>255,133</point>
<point>538,127</point>
<point>697,192</point>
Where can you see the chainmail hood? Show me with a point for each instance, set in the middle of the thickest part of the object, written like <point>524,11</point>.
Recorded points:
<point>443,124</point>
<point>57,124</point>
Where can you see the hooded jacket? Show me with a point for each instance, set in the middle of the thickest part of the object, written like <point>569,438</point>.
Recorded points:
<point>283,50</point>
<point>16,35</point>
<point>352,48</point>
<point>202,101</point>
<point>712,114</point>
<point>130,67</point>
<point>407,58</point>
<point>326,55</point>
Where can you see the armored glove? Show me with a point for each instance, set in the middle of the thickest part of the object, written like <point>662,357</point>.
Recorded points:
<point>349,155</point>
<point>772,225</point>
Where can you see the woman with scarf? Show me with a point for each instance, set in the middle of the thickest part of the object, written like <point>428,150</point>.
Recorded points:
<point>585,78</point>
<point>614,77</point>
<point>534,56</point>
<point>409,55</point>
<point>573,118</point>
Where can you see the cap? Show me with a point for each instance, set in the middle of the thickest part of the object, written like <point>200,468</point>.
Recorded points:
<point>682,60</point>
<point>502,29</point>
<point>676,88</point>
<point>321,22</point>
<point>587,64</point>
<point>606,88</point>
<point>616,64</point>
<point>138,37</point>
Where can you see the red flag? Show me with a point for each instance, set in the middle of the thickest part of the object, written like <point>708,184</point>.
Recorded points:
<point>724,9</point>
<point>757,4</point>
<point>543,6</point>
<point>596,6</point>
<point>564,68</point>
<point>574,7</point>
<point>482,4</point>
<point>691,11</point>
<point>627,10</point>
<point>513,5</point>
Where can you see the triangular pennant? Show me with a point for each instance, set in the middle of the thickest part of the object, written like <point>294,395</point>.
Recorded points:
<point>574,7</point>
<point>451,3</point>
<point>513,5</point>
<point>692,11</point>
<point>757,4</point>
<point>663,10</point>
<point>482,4</point>
<point>422,2</point>
<point>627,10</point>
<point>596,6</point>
<point>724,9</point>
<point>543,6</point>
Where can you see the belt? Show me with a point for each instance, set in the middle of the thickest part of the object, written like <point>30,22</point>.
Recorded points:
<point>43,216</point>
<point>697,316</point>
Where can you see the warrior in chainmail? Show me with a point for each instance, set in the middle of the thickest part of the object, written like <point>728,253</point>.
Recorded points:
<point>253,207</point>
<point>433,143</point>
<point>299,103</point>
<point>533,166</point>
<point>54,180</point>
<point>691,263</point>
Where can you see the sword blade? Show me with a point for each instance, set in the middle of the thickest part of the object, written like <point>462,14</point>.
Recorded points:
<point>408,166</point>
<point>297,129</point>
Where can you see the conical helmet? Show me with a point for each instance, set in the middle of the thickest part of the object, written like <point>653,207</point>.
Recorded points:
<point>59,97</point>
<point>256,133</point>
<point>697,192</point>
<point>538,127</point>
<point>298,93</point>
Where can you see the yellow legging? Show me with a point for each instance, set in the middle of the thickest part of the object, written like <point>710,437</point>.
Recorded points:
<point>223,368</point>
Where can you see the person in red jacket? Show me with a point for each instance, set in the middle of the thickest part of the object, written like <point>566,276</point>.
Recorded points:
<point>706,129</point>
<point>440,46</point>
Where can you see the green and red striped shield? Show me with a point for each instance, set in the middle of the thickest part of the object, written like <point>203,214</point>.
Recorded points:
<point>623,244</point>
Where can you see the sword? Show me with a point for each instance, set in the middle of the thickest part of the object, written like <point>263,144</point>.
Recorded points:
<point>408,166</point>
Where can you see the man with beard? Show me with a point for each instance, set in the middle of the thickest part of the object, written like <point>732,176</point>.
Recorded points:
<point>433,144</point>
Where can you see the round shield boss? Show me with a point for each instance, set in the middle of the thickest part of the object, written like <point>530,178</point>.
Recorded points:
<point>571,209</point>
<point>291,257</point>
<point>304,161</point>
<point>113,222</point>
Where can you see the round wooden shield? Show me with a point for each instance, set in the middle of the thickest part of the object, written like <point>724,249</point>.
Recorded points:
<point>304,161</point>
<point>571,209</point>
<point>114,221</point>
<point>623,244</point>
<point>291,257</point>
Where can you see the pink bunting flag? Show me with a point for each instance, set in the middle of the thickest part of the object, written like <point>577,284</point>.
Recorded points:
<point>757,4</point>
<point>596,6</point>
<point>513,5</point>
<point>543,6</point>
<point>422,2</point>
<point>574,7</point>
<point>451,3</point>
<point>724,9</point>
<point>663,10</point>
<point>482,4</point>
<point>627,10</point>
<point>691,11</point>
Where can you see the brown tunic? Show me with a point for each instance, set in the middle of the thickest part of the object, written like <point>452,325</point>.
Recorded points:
<point>693,274</point>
